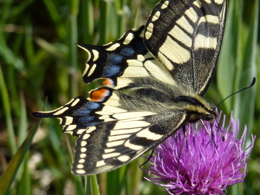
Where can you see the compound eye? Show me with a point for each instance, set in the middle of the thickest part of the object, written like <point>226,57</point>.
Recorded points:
<point>208,117</point>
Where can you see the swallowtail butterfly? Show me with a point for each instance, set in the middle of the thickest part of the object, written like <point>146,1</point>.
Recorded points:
<point>153,80</point>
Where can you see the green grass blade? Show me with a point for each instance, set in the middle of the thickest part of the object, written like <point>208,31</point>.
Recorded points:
<point>87,21</point>
<point>24,187</point>
<point>56,18</point>
<point>23,121</point>
<point>7,112</point>
<point>9,175</point>
<point>245,101</point>
<point>95,186</point>
<point>226,70</point>
<point>104,22</point>
<point>73,25</point>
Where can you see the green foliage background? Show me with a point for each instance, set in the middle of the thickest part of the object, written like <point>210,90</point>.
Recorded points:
<point>39,58</point>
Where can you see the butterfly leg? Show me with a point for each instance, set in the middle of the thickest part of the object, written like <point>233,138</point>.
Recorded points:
<point>182,145</point>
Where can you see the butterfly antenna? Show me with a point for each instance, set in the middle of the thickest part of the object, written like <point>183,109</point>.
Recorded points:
<point>251,85</point>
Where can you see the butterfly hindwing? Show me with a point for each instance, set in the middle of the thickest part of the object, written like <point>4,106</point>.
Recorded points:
<point>186,37</point>
<point>124,62</point>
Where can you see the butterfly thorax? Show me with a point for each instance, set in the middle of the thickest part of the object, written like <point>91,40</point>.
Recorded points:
<point>196,108</point>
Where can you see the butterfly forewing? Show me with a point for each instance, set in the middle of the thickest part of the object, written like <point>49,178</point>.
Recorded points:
<point>107,146</point>
<point>186,37</point>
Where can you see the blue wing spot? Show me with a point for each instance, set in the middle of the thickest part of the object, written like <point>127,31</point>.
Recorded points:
<point>81,112</point>
<point>86,109</point>
<point>111,70</point>
<point>115,59</point>
<point>92,124</point>
<point>92,105</point>
<point>127,51</point>
<point>86,119</point>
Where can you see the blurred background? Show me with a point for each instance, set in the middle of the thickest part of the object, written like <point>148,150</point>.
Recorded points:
<point>40,62</point>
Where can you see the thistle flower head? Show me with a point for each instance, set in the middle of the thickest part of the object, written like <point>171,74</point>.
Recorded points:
<point>201,162</point>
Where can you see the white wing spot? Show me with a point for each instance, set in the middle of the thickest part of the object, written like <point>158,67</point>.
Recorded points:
<point>183,22</point>
<point>75,102</point>
<point>96,54</point>
<point>202,41</point>
<point>124,131</point>
<point>131,124</point>
<point>174,52</point>
<point>92,69</point>
<point>80,166</point>
<point>113,102</point>
<point>111,155</point>
<point>159,71</point>
<point>81,171</point>
<point>128,38</point>
<point>100,163</point>
<point>113,47</point>
<point>149,31</point>
<point>81,161</point>
<point>123,82</point>
<point>116,143</point>
<point>128,115</point>
<point>82,155</point>
<point>123,158</point>
<point>156,16</point>
<point>83,143</point>
<point>62,110</point>
<point>119,137</point>
<point>197,3</point>
<point>181,36</point>
<point>83,150</point>
<point>191,14</point>
<point>140,57</point>
<point>71,127</point>
<point>80,131</point>
<point>165,5</point>
<point>68,120</point>
<point>209,19</point>
<point>149,135</point>
<point>133,146</point>
<point>109,150</point>
<point>219,2</point>
<point>134,62</point>
<point>111,109</point>
<point>90,129</point>
<point>85,137</point>
<point>86,69</point>
<point>132,70</point>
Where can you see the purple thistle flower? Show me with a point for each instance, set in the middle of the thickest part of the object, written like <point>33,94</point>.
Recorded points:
<point>201,163</point>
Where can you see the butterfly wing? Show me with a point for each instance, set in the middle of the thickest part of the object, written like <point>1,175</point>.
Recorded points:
<point>186,37</point>
<point>114,130</point>
<point>124,63</point>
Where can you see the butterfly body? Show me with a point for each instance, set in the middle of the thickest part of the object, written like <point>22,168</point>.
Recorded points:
<point>153,81</point>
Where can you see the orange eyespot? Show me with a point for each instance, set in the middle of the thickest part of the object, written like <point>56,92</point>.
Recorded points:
<point>108,82</point>
<point>99,95</point>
